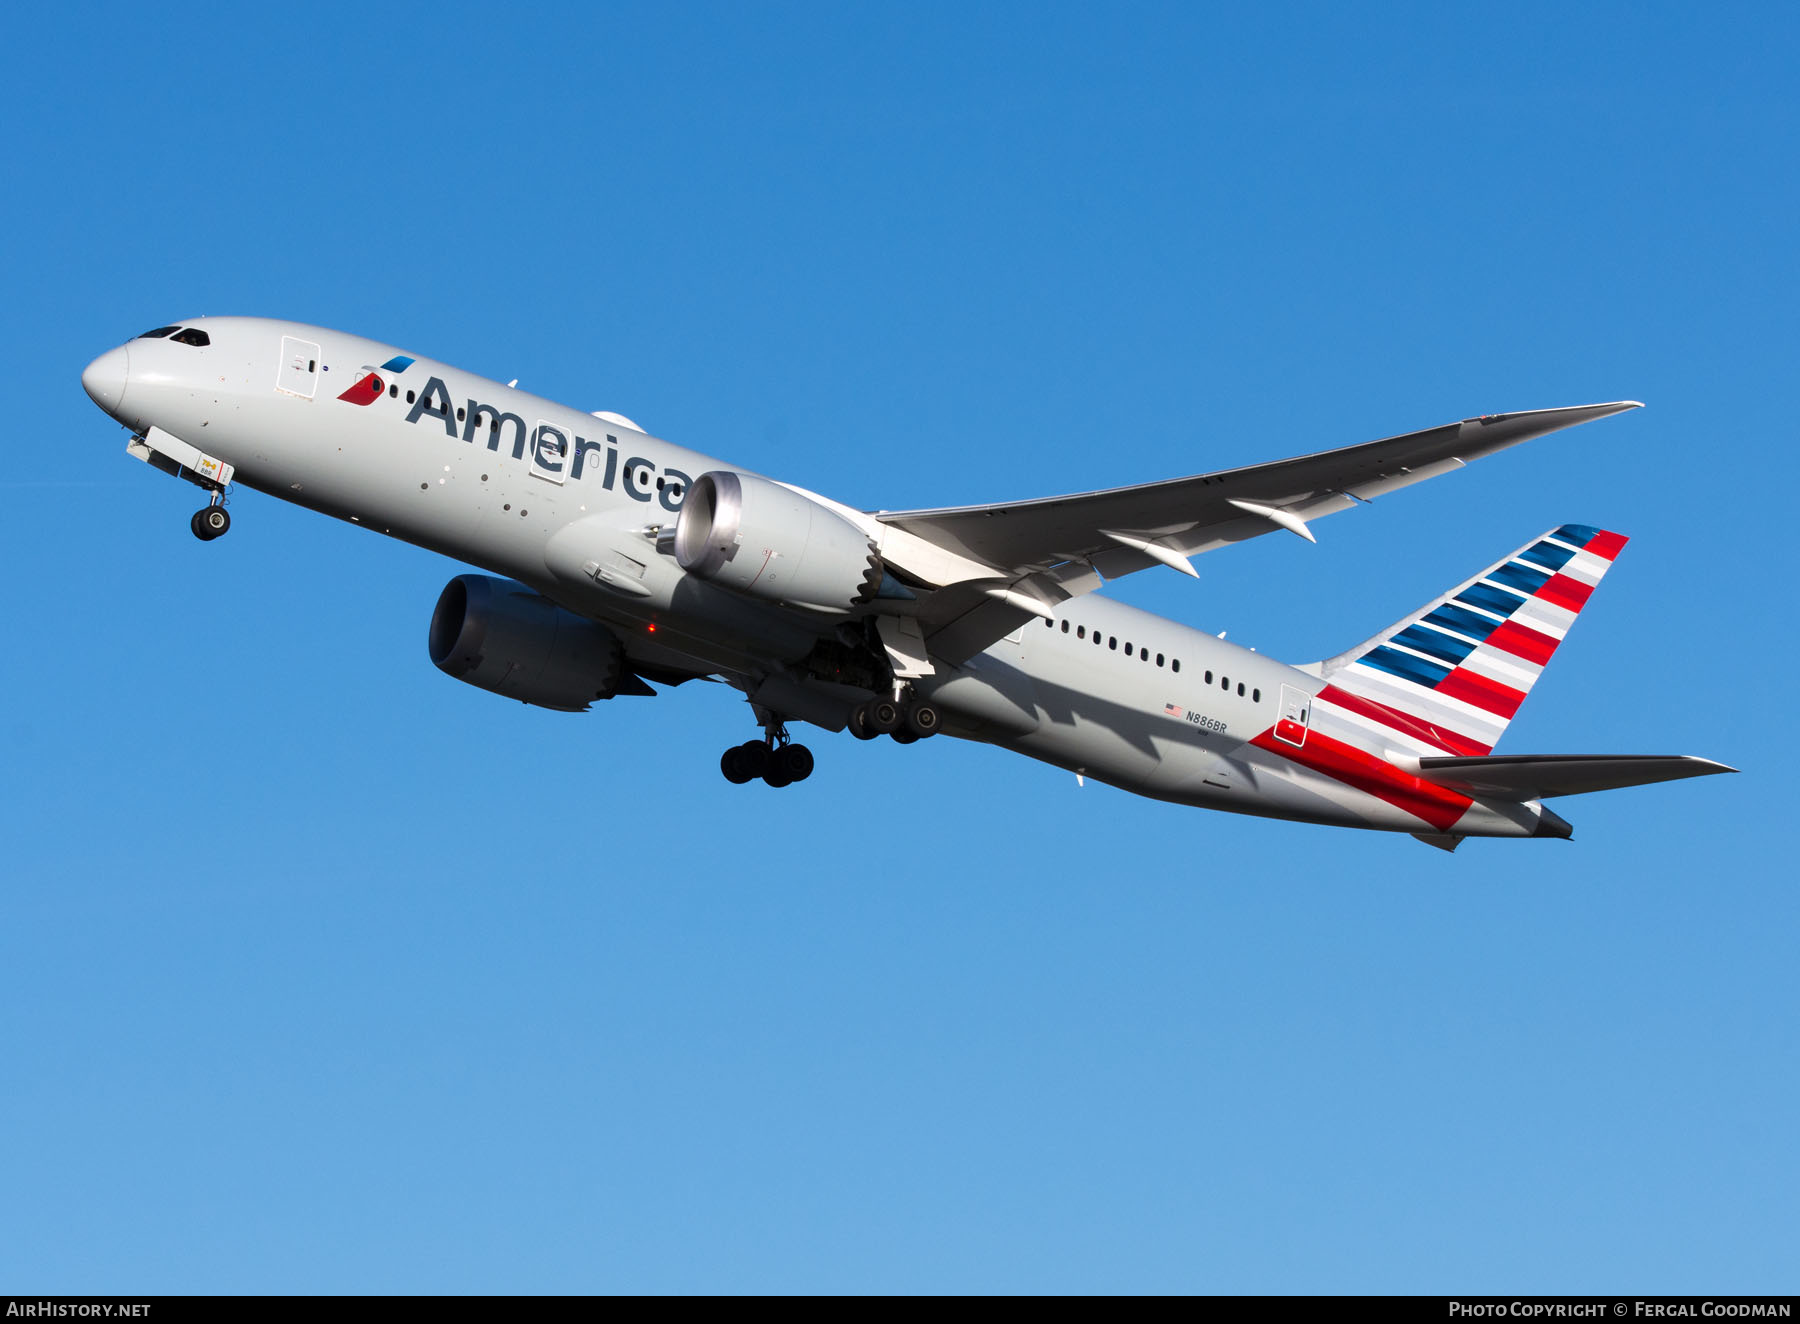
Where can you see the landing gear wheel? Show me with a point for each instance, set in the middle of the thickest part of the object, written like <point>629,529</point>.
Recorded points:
<point>859,723</point>
<point>774,776</point>
<point>210,522</point>
<point>921,720</point>
<point>753,758</point>
<point>903,736</point>
<point>882,716</point>
<point>795,762</point>
<point>744,763</point>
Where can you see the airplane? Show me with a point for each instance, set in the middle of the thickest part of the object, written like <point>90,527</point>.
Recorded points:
<point>621,561</point>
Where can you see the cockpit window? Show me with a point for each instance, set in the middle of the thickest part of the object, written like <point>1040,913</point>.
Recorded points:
<point>191,336</point>
<point>159,333</point>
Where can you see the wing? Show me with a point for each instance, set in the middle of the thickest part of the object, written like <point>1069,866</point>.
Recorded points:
<point>1046,551</point>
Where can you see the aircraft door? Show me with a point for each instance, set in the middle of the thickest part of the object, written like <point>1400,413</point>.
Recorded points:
<point>1296,713</point>
<point>298,372</point>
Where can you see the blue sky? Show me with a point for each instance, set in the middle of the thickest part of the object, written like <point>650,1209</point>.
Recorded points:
<point>320,972</point>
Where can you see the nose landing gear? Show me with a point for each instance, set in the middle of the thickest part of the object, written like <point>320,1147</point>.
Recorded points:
<point>169,453</point>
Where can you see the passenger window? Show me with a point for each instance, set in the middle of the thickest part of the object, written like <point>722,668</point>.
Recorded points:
<point>409,397</point>
<point>1209,678</point>
<point>1081,632</point>
<point>393,392</point>
<point>1255,696</point>
<point>1065,627</point>
<point>191,337</point>
<point>1159,659</point>
<point>1112,642</point>
<point>1240,689</point>
<point>1143,654</point>
<point>459,413</point>
<point>1127,650</point>
<point>159,333</point>
<point>1225,682</point>
<point>1175,664</point>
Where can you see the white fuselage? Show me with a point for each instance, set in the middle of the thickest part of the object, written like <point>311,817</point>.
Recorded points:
<point>551,496</point>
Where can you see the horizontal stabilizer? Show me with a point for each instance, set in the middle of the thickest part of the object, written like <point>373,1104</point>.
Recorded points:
<point>1540,776</point>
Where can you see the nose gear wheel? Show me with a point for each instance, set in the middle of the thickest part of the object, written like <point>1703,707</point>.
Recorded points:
<point>210,522</point>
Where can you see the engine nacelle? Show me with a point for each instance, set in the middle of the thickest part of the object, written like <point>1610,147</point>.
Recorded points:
<point>503,637</point>
<point>756,537</point>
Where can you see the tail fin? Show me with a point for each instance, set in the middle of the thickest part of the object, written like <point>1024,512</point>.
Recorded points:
<point>1449,677</point>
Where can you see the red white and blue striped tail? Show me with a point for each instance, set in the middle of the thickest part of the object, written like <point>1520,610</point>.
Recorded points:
<point>1449,678</point>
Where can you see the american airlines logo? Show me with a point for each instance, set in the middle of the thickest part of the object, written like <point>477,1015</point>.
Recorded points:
<point>367,389</point>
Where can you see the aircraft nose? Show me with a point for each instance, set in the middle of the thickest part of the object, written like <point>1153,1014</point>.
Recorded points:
<point>104,378</point>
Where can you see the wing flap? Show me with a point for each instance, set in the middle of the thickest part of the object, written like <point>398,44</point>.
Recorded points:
<point>1541,776</point>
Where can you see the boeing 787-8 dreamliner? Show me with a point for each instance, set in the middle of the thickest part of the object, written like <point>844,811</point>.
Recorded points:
<point>621,561</point>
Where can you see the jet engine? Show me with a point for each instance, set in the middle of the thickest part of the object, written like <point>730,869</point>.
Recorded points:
<point>503,637</point>
<point>758,538</point>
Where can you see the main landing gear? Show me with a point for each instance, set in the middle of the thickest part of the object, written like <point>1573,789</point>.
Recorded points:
<point>778,761</point>
<point>775,759</point>
<point>905,719</point>
<point>211,520</point>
